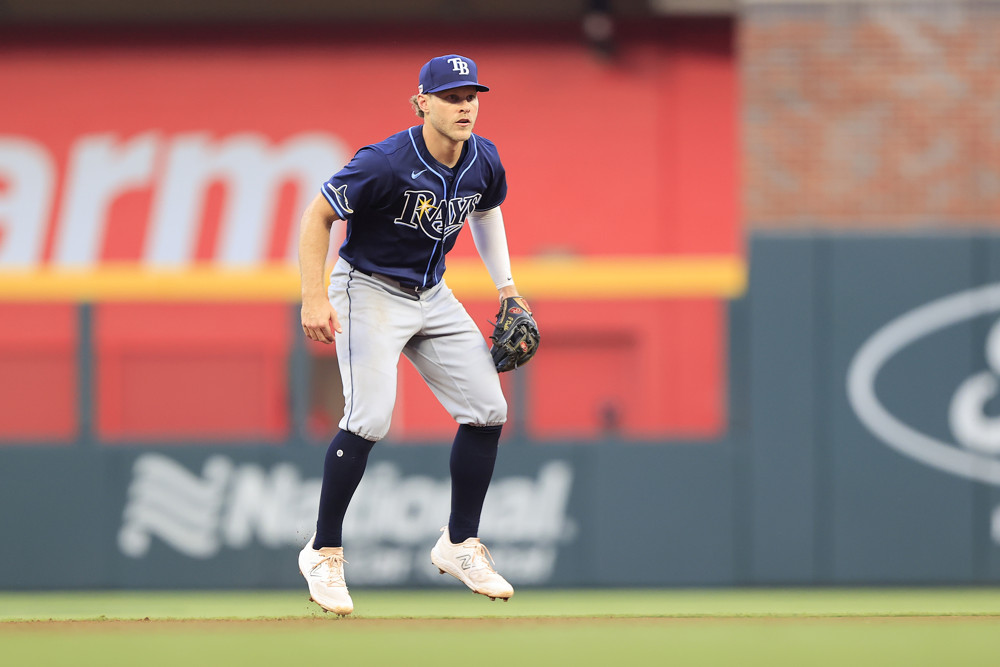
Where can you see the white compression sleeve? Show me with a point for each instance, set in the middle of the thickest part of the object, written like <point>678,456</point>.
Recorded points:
<point>491,242</point>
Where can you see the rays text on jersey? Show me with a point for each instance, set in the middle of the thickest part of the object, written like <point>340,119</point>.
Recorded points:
<point>422,210</point>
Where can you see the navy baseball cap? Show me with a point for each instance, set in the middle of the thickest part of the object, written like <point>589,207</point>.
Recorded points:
<point>446,72</point>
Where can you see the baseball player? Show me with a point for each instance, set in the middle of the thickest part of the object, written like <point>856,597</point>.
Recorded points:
<point>404,200</point>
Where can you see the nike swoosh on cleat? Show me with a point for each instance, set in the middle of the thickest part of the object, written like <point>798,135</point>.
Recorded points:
<point>415,174</point>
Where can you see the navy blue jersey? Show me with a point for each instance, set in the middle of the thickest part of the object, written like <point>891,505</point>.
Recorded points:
<point>404,208</point>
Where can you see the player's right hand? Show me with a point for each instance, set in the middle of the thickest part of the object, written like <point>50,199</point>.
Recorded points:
<point>319,321</point>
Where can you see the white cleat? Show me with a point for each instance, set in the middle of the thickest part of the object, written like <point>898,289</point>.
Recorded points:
<point>324,572</point>
<point>470,563</point>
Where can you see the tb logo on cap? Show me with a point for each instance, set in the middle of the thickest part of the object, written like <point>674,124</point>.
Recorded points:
<point>459,65</point>
<point>444,72</point>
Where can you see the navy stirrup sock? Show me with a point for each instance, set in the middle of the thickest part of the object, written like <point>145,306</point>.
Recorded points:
<point>346,459</point>
<point>473,456</point>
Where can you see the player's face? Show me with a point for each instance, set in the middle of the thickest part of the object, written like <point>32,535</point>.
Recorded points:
<point>453,112</point>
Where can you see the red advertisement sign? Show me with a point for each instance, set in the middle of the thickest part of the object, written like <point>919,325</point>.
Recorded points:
<point>177,156</point>
<point>176,153</point>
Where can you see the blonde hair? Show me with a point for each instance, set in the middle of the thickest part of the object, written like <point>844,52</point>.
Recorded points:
<point>416,107</point>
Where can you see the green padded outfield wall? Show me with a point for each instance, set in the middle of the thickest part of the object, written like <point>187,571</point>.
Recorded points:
<point>861,448</point>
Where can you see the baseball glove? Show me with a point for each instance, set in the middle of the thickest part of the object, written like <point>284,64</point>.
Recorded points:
<point>515,335</point>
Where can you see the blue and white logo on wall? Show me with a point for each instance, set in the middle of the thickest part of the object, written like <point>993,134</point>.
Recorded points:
<point>975,451</point>
<point>395,517</point>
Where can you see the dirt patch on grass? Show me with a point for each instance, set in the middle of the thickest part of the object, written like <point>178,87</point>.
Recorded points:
<point>360,623</point>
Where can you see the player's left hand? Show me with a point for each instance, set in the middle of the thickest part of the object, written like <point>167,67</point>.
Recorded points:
<point>515,334</point>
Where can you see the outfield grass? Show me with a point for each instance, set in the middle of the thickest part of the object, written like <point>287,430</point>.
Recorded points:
<point>537,627</point>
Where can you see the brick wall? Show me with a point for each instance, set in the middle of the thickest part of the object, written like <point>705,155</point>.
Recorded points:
<point>882,116</point>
